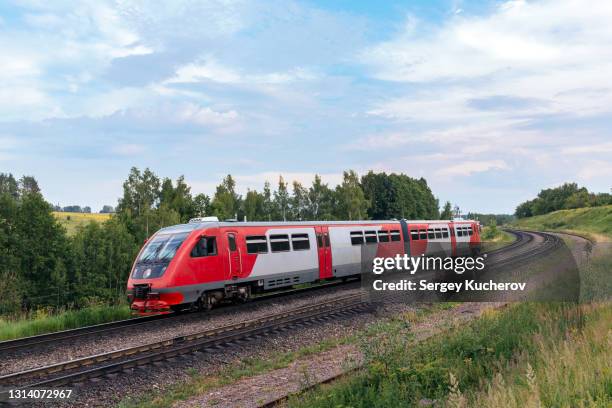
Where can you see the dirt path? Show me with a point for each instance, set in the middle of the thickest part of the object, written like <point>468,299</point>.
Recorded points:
<point>300,374</point>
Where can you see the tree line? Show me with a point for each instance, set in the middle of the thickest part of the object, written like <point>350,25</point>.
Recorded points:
<point>41,265</point>
<point>566,196</point>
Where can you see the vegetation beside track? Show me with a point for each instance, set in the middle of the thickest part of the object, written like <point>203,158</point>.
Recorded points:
<point>249,367</point>
<point>72,220</point>
<point>527,355</point>
<point>594,222</point>
<point>493,238</point>
<point>46,321</point>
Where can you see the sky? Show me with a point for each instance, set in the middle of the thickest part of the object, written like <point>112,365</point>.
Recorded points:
<point>489,101</point>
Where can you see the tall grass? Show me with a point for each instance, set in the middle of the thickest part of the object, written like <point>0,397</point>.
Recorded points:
<point>459,368</point>
<point>44,321</point>
<point>595,220</point>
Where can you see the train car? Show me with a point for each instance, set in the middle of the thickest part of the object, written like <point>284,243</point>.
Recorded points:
<point>205,262</point>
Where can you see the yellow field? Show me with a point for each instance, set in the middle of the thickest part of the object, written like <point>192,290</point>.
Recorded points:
<point>71,220</point>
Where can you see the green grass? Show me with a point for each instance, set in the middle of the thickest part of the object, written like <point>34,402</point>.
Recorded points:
<point>42,321</point>
<point>249,367</point>
<point>466,366</point>
<point>71,220</point>
<point>594,221</point>
<point>494,237</point>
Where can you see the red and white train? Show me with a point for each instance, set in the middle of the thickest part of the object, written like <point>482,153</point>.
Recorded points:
<point>206,261</point>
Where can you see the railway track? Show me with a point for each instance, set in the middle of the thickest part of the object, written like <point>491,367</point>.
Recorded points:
<point>525,254</point>
<point>77,371</point>
<point>65,335</point>
<point>529,246</point>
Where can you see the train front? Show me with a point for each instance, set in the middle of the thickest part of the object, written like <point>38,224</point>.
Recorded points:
<point>149,287</point>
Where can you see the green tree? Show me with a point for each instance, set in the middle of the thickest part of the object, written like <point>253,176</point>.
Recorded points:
<point>141,192</point>
<point>267,204</point>
<point>8,185</point>
<point>299,202</point>
<point>281,201</point>
<point>201,205</point>
<point>253,206</point>
<point>447,211</point>
<point>321,200</point>
<point>226,202</point>
<point>352,204</point>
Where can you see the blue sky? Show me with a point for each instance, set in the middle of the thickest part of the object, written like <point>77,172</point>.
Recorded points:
<point>489,101</point>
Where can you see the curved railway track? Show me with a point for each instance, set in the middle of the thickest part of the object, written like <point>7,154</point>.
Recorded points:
<point>529,245</point>
<point>64,335</point>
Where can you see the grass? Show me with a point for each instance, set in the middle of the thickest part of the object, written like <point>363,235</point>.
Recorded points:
<point>557,354</point>
<point>593,221</point>
<point>43,321</point>
<point>249,367</point>
<point>72,220</point>
<point>494,237</point>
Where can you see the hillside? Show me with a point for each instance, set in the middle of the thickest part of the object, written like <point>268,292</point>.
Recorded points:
<point>71,220</point>
<point>591,220</point>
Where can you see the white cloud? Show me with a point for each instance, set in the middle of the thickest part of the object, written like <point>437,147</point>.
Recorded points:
<point>468,168</point>
<point>555,52</point>
<point>209,69</point>
<point>600,148</point>
<point>204,115</point>
<point>128,149</point>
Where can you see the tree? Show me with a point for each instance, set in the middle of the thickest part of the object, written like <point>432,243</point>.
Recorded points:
<point>253,206</point>
<point>201,205</point>
<point>398,196</point>
<point>267,204</point>
<point>107,209</point>
<point>281,200</point>
<point>447,212</point>
<point>352,204</point>
<point>40,249</point>
<point>226,203</point>
<point>141,192</point>
<point>321,201</point>
<point>28,185</point>
<point>8,185</point>
<point>299,202</point>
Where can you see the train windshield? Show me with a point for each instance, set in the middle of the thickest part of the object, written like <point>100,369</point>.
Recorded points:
<point>162,248</point>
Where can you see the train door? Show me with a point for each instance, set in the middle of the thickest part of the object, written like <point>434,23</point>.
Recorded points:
<point>418,239</point>
<point>324,249</point>
<point>234,262</point>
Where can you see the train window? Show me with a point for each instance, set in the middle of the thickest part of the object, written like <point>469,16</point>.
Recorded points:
<point>438,233</point>
<point>383,236</point>
<point>414,235</point>
<point>430,233</point>
<point>231,240</point>
<point>370,237</point>
<point>257,244</point>
<point>300,242</point>
<point>395,235</point>
<point>470,231</point>
<point>326,239</point>
<point>279,243</point>
<point>356,237</point>
<point>423,234</point>
<point>206,246</point>
<point>445,233</point>
<point>459,232</point>
<point>320,240</point>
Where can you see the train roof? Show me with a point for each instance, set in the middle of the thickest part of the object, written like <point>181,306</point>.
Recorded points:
<point>212,224</point>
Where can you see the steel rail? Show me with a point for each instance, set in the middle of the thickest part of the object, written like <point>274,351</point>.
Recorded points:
<point>168,347</point>
<point>41,339</point>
